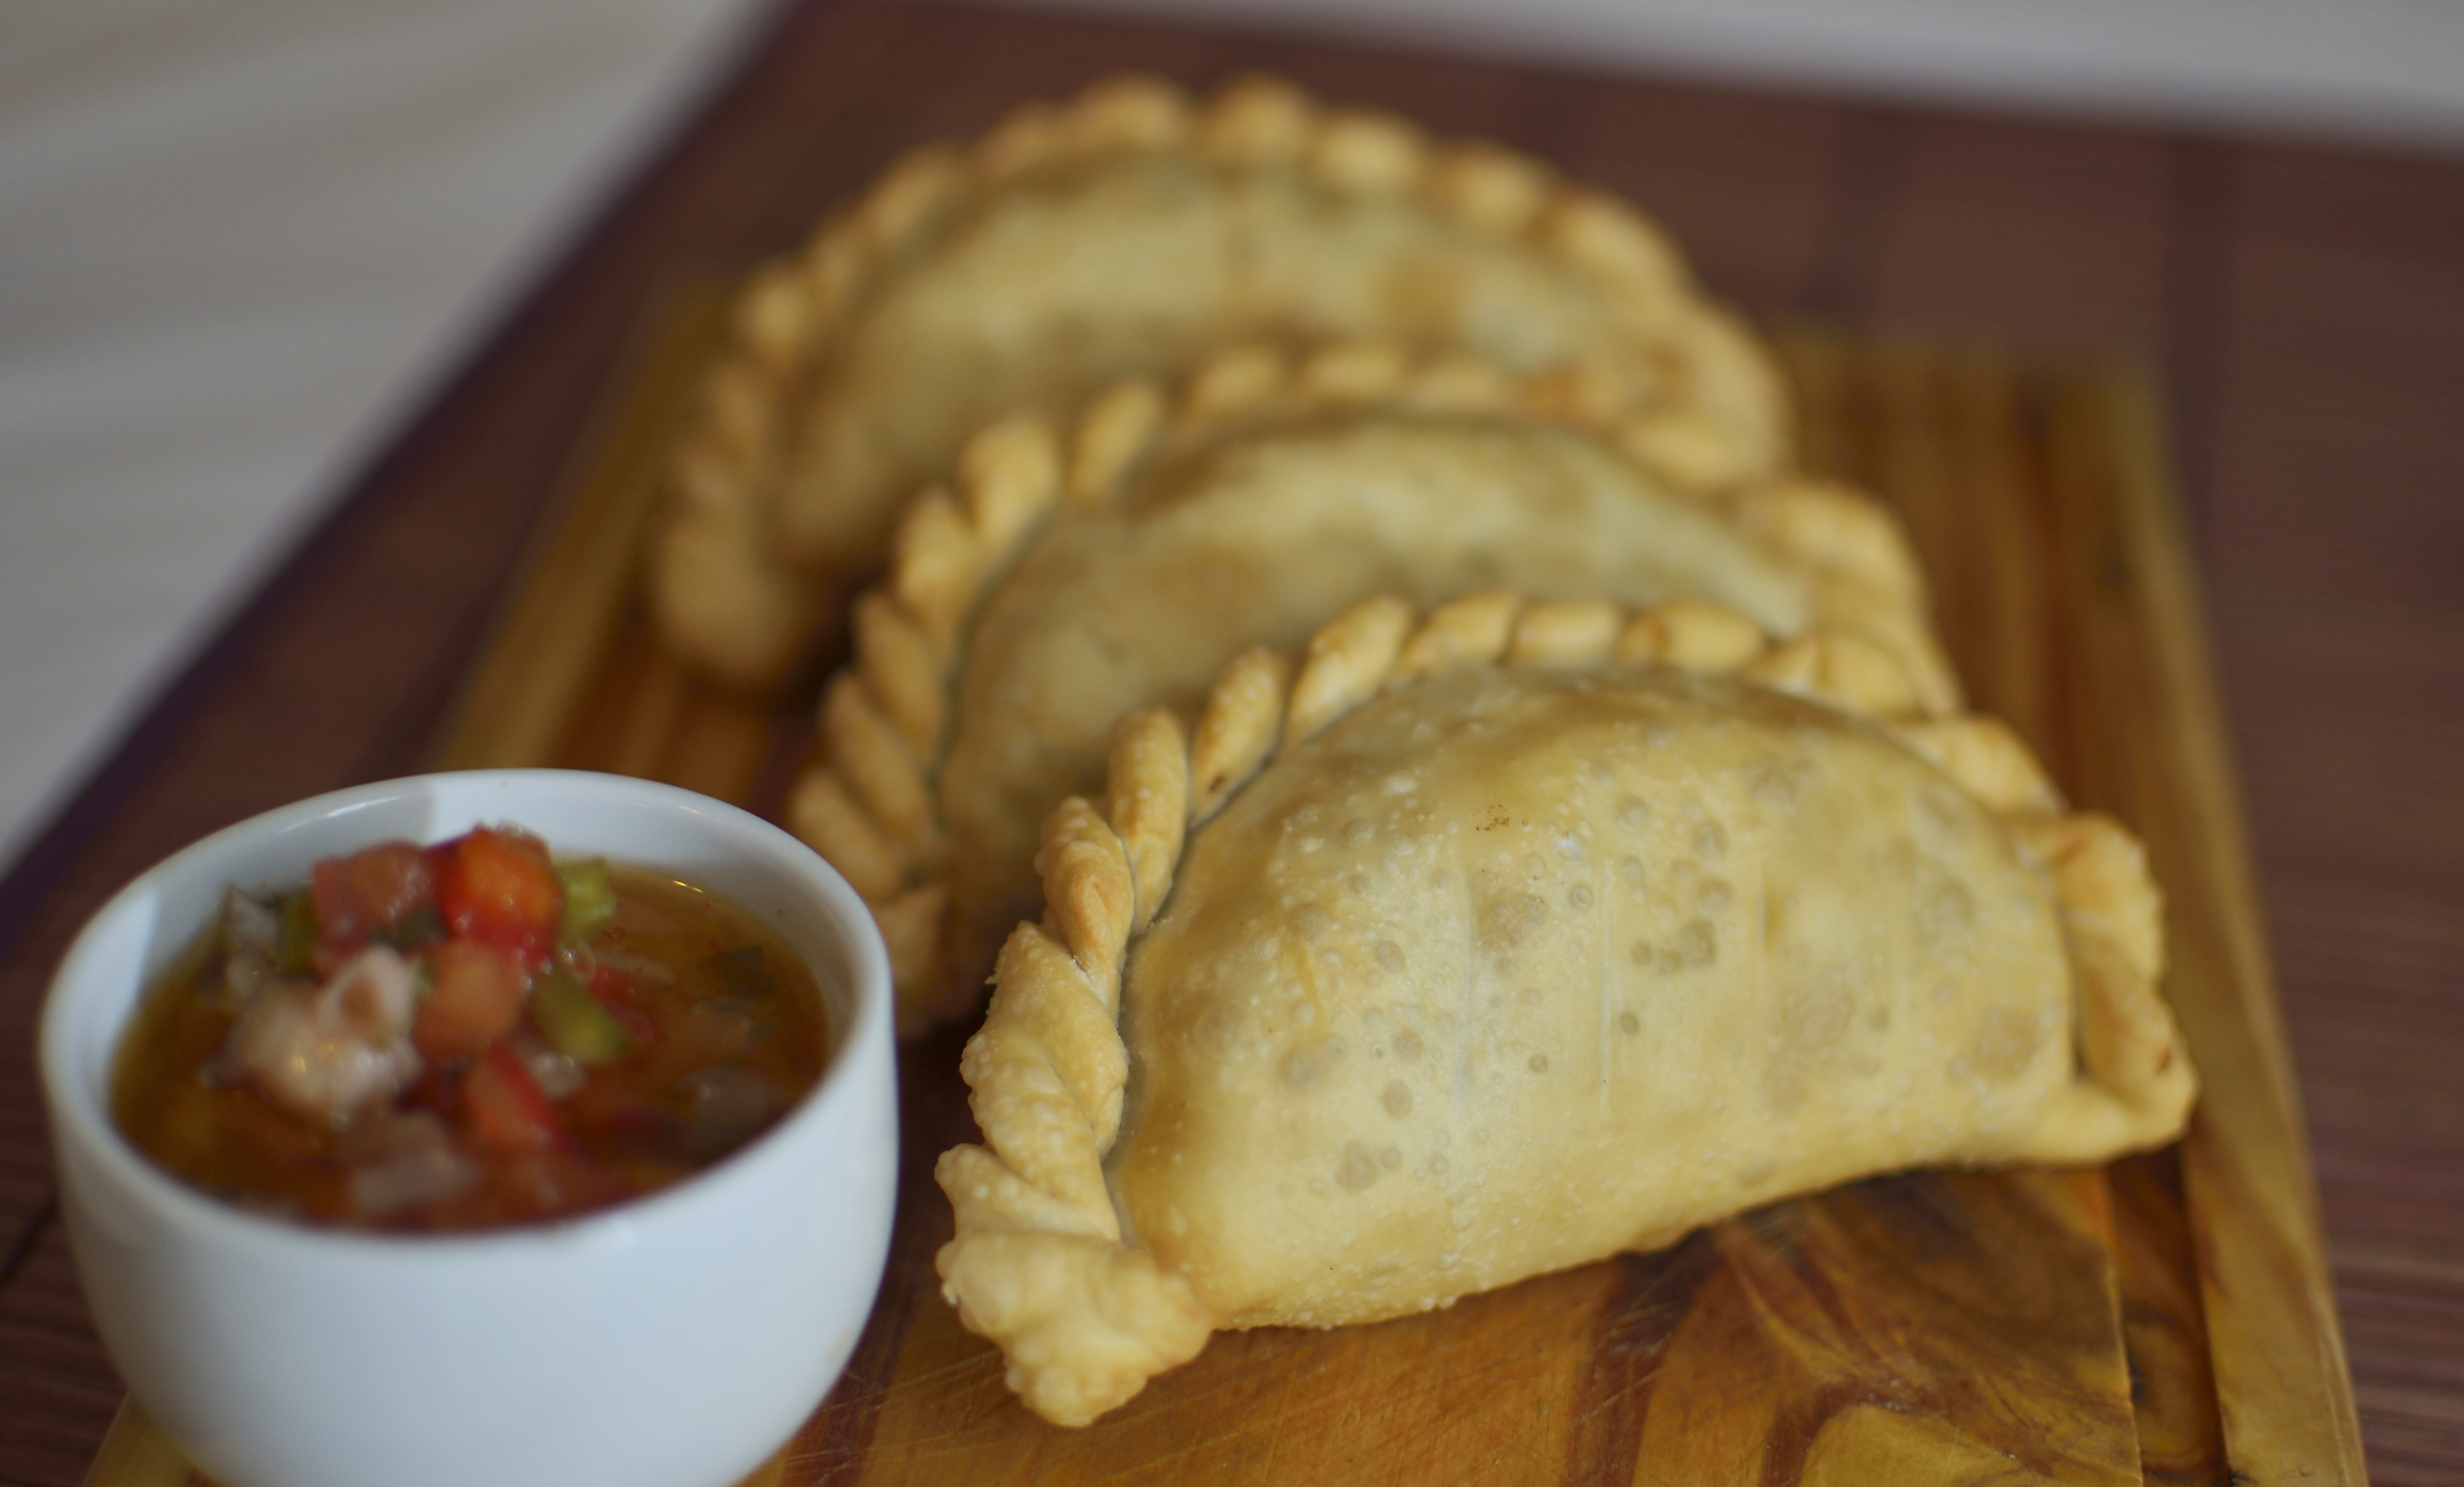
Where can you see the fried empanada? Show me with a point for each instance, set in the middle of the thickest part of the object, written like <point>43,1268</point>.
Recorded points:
<point>1075,578</point>
<point>1463,951</point>
<point>1126,233</point>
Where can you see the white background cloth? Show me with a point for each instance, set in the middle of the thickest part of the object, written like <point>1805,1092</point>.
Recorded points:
<point>240,238</point>
<point>2376,70</point>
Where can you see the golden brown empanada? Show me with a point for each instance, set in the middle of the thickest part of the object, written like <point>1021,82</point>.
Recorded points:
<point>1074,578</point>
<point>1468,949</point>
<point>1126,233</point>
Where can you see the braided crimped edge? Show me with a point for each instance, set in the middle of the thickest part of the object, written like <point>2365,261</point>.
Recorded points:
<point>726,599</point>
<point>1039,1264</point>
<point>867,802</point>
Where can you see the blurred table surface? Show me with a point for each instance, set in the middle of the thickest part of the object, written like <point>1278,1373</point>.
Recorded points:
<point>2301,306</point>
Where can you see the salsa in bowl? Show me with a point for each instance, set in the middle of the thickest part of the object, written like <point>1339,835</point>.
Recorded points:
<point>602,1237</point>
<point>465,1034</point>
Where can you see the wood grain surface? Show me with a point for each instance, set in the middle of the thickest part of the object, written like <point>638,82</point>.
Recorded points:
<point>2169,1318</point>
<point>2302,309</point>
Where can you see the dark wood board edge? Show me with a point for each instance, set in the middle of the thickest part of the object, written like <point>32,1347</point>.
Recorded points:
<point>2282,1382</point>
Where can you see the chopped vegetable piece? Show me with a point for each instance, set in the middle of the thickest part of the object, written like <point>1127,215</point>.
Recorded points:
<point>330,1052</point>
<point>614,986</point>
<point>499,886</point>
<point>560,1076</point>
<point>476,1000</point>
<point>621,994</point>
<point>576,1023</point>
<point>299,941</point>
<point>372,889</point>
<point>506,1108</point>
<point>250,926</point>
<point>746,972</point>
<point>589,898</point>
<point>701,1024</point>
<point>422,925</point>
<point>637,971</point>
<point>251,947</point>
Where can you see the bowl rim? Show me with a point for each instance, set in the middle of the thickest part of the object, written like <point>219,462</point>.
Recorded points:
<point>77,1117</point>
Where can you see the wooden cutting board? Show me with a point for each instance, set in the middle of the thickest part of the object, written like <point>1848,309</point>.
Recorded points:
<point>2164,1318</point>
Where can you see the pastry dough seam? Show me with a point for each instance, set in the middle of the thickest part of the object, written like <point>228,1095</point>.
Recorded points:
<point>733,442</point>
<point>883,722</point>
<point>1068,1351</point>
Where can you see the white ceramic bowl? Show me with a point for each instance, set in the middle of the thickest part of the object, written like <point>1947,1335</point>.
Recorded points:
<point>671,1342</point>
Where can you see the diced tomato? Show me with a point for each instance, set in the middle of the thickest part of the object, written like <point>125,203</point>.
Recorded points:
<point>476,1000</point>
<point>499,886</point>
<point>506,1108</point>
<point>617,991</point>
<point>370,890</point>
<point>612,986</point>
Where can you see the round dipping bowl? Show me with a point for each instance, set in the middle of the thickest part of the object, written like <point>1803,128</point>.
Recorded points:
<point>673,1341</point>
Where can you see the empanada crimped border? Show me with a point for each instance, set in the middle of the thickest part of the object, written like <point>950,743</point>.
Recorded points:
<point>868,804</point>
<point>726,599</point>
<point>1039,1264</point>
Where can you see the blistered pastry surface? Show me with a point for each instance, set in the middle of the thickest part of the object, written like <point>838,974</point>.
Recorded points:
<point>1940,966</point>
<point>1047,292</point>
<point>1128,230</point>
<point>1519,967</point>
<point>1259,540</point>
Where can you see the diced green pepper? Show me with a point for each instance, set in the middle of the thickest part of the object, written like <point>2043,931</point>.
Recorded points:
<point>422,925</point>
<point>744,972</point>
<point>299,940</point>
<point>575,1023</point>
<point>589,898</point>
